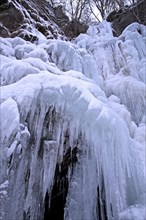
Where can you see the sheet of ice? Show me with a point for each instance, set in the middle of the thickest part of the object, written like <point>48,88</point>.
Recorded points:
<point>133,213</point>
<point>91,97</point>
<point>131,93</point>
<point>10,123</point>
<point>14,70</point>
<point>67,56</point>
<point>121,64</point>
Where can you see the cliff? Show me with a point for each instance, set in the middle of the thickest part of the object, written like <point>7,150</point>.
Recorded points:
<point>19,18</point>
<point>128,15</point>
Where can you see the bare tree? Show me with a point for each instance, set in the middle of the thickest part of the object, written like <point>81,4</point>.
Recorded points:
<point>80,9</point>
<point>74,8</point>
<point>104,7</point>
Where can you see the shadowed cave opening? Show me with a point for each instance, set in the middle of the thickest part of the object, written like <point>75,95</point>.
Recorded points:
<point>58,198</point>
<point>101,204</point>
<point>55,210</point>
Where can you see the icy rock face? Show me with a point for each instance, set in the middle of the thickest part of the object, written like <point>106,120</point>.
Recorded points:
<point>121,63</point>
<point>19,17</point>
<point>72,127</point>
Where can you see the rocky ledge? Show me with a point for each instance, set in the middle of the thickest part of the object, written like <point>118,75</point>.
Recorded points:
<point>127,15</point>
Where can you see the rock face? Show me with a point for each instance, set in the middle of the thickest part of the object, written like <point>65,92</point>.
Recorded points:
<point>74,28</point>
<point>127,15</point>
<point>4,4</point>
<point>18,18</point>
<point>71,28</point>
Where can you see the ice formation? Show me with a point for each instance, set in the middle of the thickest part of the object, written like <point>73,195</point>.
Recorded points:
<point>73,126</point>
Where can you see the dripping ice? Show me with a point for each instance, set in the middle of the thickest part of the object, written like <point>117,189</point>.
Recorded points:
<point>91,97</point>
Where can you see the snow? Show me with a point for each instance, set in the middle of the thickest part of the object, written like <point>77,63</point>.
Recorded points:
<point>10,122</point>
<point>133,213</point>
<point>15,70</point>
<point>92,89</point>
<point>5,184</point>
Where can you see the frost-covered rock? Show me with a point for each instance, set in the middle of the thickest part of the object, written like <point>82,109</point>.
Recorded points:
<point>28,19</point>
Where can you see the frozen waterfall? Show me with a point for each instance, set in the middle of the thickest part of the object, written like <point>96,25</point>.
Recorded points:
<point>73,126</point>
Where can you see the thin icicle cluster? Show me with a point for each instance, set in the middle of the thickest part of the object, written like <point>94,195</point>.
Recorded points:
<point>48,111</point>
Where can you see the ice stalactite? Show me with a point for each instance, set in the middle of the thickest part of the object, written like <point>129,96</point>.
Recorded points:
<point>72,143</point>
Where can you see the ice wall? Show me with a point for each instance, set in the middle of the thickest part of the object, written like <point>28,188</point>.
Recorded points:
<point>72,124</point>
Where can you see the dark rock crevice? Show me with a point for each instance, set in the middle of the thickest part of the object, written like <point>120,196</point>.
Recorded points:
<point>101,202</point>
<point>55,210</point>
<point>54,206</point>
